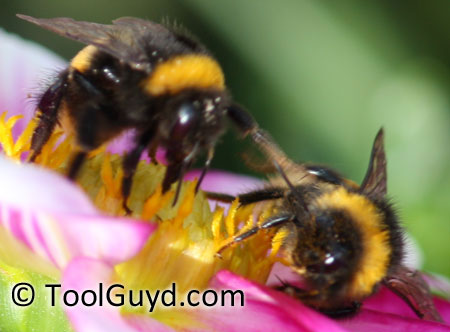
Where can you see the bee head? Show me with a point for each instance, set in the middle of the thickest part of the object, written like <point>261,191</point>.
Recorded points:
<point>328,248</point>
<point>349,238</point>
<point>192,121</point>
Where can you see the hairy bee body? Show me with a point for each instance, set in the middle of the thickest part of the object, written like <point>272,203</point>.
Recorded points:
<point>342,239</point>
<point>117,97</point>
<point>140,75</point>
<point>352,242</point>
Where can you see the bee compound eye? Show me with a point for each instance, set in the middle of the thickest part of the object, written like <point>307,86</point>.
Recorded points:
<point>329,265</point>
<point>186,121</point>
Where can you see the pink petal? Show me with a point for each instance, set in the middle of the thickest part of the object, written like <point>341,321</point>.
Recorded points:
<point>367,320</point>
<point>24,68</point>
<point>225,182</point>
<point>264,310</point>
<point>387,301</point>
<point>375,321</point>
<point>443,306</point>
<point>282,273</point>
<point>55,219</point>
<point>29,186</point>
<point>59,237</point>
<point>124,142</point>
<point>87,274</point>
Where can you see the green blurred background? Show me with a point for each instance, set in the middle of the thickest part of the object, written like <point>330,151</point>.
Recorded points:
<point>322,77</point>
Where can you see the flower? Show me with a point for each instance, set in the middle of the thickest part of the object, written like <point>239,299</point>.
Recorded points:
<point>54,232</point>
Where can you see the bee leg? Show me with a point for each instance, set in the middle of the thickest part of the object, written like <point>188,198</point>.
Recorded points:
<point>48,107</point>
<point>176,169</point>
<point>205,168</point>
<point>241,119</point>
<point>275,221</point>
<point>258,165</point>
<point>130,162</point>
<point>153,148</point>
<point>250,197</point>
<point>175,172</point>
<point>220,197</point>
<point>248,126</point>
<point>294,291</point>
<point>87,138</point>
<point>310,297</point>
<point>343,312</point>
<point>75,164</point>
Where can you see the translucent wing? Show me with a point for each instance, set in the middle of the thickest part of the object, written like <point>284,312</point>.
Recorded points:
<point>375,181</point>
<point>411,287</point>
<point>125,39</point>
<point>141,26</point>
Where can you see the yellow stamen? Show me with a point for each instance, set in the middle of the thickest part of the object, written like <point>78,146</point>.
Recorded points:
<point>156,202</point>
<point>215,227</point>
<point>229,221</point>
<point>183,248</point>
<point>107,175</point>
<point>8,145</point>
<point>185,209</point>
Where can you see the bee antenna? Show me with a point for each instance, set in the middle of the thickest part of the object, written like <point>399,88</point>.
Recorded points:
<point>293,189</point>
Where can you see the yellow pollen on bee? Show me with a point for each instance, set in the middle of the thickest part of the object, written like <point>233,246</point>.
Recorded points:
<point>183,72</point>
<point>277,242</point>
<point>82,61</point>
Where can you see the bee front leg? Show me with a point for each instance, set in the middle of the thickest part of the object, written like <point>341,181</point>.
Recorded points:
<point>152,150</point>
<point>250,197</point>
<point>175,172</point>
<point>131,161</point>
<point>344,312</point>
<point>248,126</point>
<point>205,168</point>
<point>75,164</point>
<point>48,107</point>
<point>309,297</point>
<point>178,164</point>
<point>88,110</point>
<point>272,222</point>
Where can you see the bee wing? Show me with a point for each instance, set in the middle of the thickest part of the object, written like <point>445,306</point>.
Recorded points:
<point>122,40</point>
<point>141,26</point>
<point>375,181</point>
<point>410,286</point>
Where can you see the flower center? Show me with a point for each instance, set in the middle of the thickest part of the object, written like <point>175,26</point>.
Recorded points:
<point>183,249</point>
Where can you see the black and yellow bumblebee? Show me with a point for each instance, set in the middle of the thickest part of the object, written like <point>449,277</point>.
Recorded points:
<point>343,239</point>
<point>137,74</point>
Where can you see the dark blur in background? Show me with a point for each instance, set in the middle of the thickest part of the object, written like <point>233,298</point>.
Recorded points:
<point>322,77</point>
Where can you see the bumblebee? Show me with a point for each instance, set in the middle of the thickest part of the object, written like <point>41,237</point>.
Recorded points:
<point>140,75</point>
<point>343,239</point>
